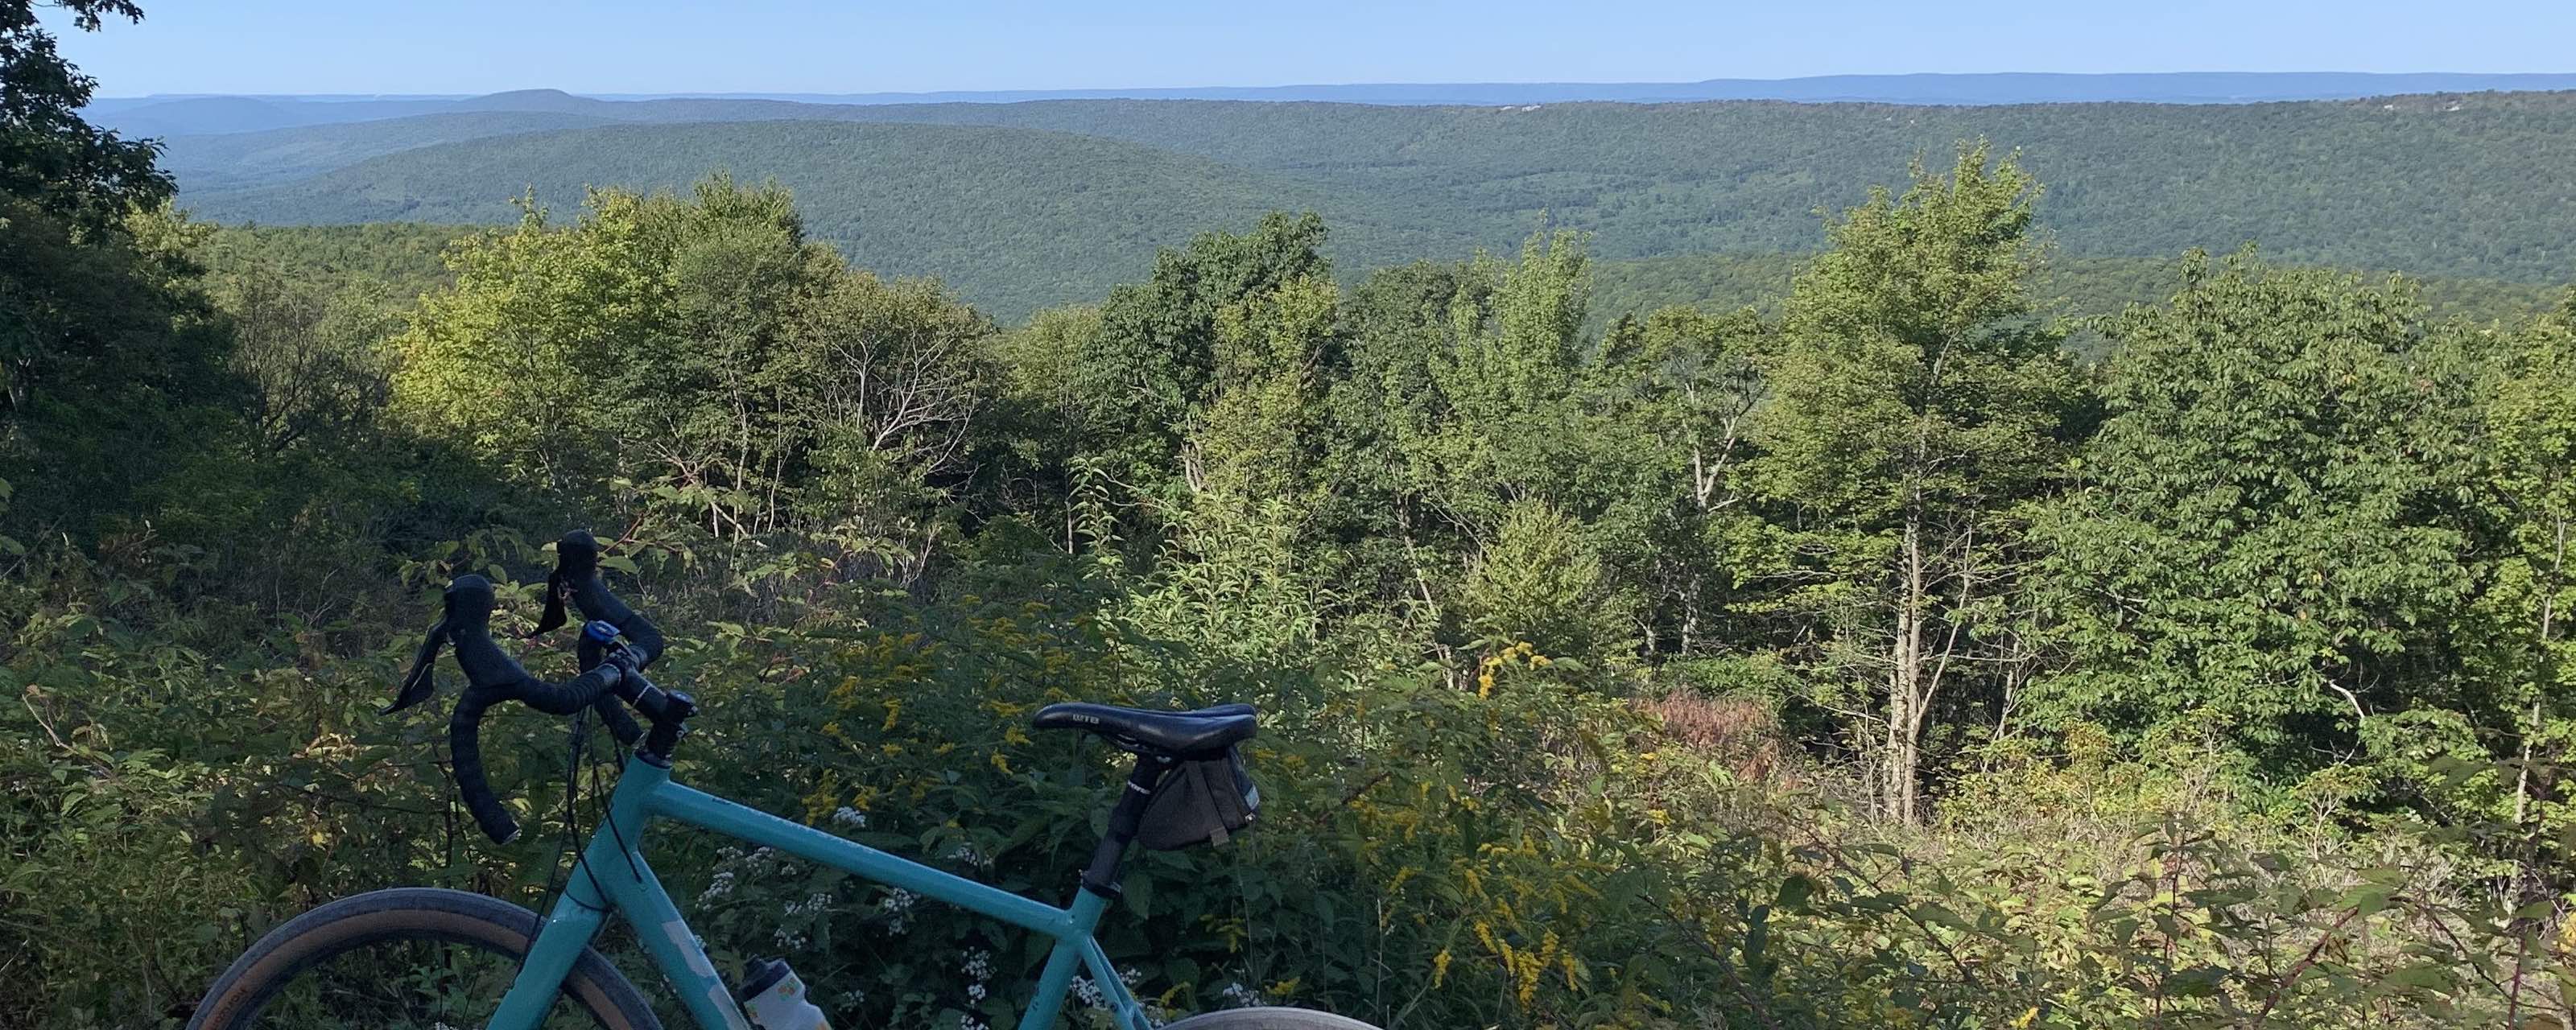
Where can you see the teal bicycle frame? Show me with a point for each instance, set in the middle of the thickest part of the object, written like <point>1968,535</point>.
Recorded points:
<point>614,876</point>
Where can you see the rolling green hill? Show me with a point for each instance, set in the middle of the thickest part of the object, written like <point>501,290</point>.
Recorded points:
<point>1054,199</point>
<point>230,160</point>
<point>2478,185</point>
<point>1013,218</point>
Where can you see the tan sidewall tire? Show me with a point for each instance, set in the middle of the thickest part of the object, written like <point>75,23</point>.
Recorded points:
<point>408,912</point>
<point>1267,1019</point>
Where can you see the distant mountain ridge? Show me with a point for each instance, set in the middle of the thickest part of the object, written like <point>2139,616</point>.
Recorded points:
<point>1919,88</point>
<point>1027,204</point>
<point>179,115</point>
<point>223,160</point>
<point>1015,218</point>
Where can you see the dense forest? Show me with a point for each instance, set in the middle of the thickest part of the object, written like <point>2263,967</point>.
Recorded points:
<point>1022,206</point>
<point>1874,641</point>
<point>405,258</point>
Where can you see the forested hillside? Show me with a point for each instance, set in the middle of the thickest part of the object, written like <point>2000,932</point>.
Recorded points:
<point>1864,646</point>
<point>2469,186</point>
<point>279,155</point>
<point>1019,217</point>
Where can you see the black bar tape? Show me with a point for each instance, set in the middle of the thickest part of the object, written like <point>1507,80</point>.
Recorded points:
<point>577,572</point>
<point>469,617</point>
<point>612,712</point>
<point>494,676</point>
<point>465,746</point>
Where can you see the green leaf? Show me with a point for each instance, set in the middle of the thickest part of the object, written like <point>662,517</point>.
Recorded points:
<point>1138,895</point>
<point>1794,892</point>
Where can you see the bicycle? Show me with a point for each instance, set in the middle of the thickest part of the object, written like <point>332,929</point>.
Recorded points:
<point>1187,781</point>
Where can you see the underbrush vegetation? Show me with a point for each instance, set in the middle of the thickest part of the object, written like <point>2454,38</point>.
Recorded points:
<point>1509,838</point>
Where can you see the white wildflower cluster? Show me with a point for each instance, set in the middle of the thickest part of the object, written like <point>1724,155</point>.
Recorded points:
<point>979,972</point>
<point>734,867</point>
<point>802,912</point>
<point>1087,994</point>
<point>1238,996</point>
<point>813,905</point>
<point>850,999</point>
<point>971,1023</point>
<point>897,907</point>
<point>850,818</point>
<point>966,854</point>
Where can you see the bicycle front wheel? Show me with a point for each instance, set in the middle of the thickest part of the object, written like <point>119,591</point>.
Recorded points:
<point>1267,1018</point>
<point>411,958</point>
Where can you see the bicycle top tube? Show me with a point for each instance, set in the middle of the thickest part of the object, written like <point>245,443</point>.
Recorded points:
<point>612,874</point>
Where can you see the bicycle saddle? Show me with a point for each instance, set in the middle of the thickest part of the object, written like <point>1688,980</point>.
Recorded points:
<point>1207,731</point>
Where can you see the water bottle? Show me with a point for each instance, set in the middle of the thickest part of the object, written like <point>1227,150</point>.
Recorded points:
<point>774,998</point>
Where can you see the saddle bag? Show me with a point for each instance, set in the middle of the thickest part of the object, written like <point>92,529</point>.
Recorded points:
<point>1201,802</point>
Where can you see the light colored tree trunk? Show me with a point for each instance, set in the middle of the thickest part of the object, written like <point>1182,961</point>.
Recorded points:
<point>2548,626</point>
<point>1905,694</point>
<point>1690,611</point>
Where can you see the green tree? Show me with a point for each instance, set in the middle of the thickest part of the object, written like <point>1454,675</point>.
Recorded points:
<point>1672,397</point>
<point>112,368</point>
<point>50,159</point>
<point>2269,532</point>
<point>705,351</point>
<point>310,356</point>
<point>511,361</point>
<point>1026,449</point>
<point>1507,421</point>
<point>1916,405</point>
<point>884,383</point>
<point>1379,407</point>
<point>1261,434</point>
<point>1542,582</point>
<point>2515,641</point>
<point>1463,401</point>
<point>1147,375</point>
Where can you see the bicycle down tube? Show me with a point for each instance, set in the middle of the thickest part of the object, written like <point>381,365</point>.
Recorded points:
<point>612,874</point>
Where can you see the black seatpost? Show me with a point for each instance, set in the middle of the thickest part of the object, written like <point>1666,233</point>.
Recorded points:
<point>1102,877</point>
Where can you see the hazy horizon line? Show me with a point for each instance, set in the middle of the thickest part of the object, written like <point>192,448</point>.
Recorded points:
<point>1358,84</point>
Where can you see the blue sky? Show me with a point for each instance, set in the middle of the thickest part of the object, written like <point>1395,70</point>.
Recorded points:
<point>647,46</point>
